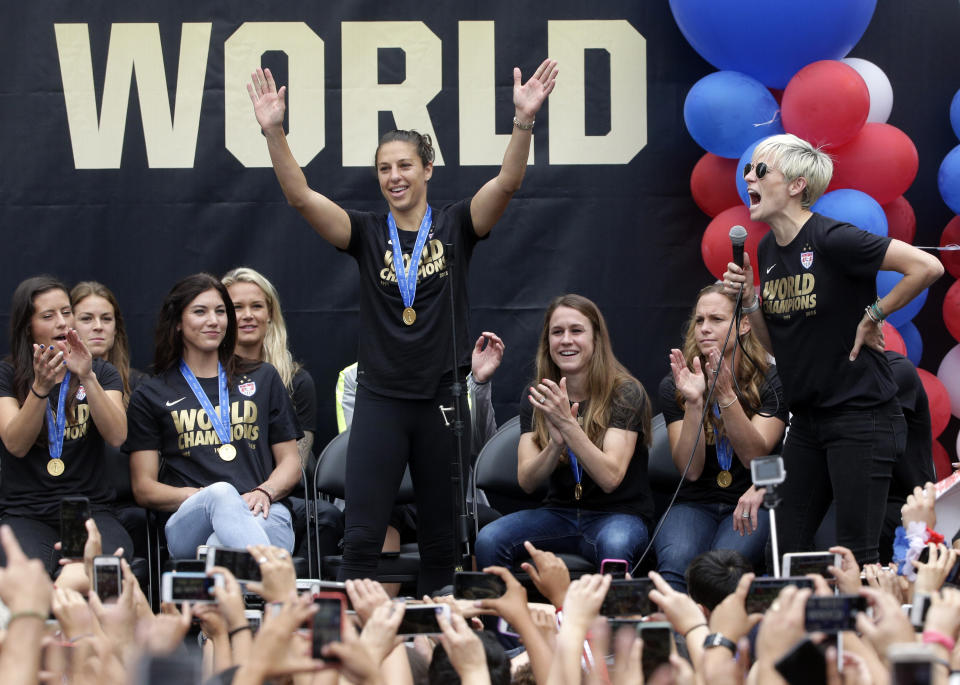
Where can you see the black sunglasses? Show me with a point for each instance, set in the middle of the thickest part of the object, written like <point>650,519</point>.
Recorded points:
<point>761,169</point>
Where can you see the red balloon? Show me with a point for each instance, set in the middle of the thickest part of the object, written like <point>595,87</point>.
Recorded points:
<point>901,221</point>
<point>893,340</point>
<point>715,245</point>
<point>941,461</point>
<point>712,184</point>
<point>951,235</point>
<point>826,103</point>
<point>951,310</point>
<point>939,400</point>
<point>880,161</point>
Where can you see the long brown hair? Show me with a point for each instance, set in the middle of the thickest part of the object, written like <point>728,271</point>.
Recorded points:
<point>168,347</point>
<point>604,376</point>
<point>21,343</point>
<point>751,375</point>
<point>119,354</point>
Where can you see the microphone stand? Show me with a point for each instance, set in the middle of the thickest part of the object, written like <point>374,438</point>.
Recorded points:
<point>461,516</point>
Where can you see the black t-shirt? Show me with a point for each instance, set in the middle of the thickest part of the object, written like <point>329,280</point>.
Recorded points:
<point>165,415</point>
<point>633,496</point>
<point>814,291</point>
<point>705,489</point>
<point>915,466</point>
<point>26,489</point>
<point>305,400</point>
<point>403,361</point>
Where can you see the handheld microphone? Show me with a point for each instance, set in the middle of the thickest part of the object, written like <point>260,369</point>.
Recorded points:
<point>738,236</point>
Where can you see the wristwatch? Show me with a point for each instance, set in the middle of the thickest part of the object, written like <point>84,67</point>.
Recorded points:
<point>718,640</point>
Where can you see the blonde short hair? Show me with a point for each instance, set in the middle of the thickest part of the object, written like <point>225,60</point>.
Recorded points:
<point>796,158</point>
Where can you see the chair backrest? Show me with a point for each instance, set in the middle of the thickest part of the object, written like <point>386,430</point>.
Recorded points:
<point>330,476</point>
<point>496,471</point>
<point>662,472</point>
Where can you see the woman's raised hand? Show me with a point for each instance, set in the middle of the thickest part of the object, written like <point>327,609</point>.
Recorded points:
<point>47,362</point>
<point>268,102</point>
<point>78,358</point>
<point>724,393</point>
<point>528,97</point>
<point>690,383</point>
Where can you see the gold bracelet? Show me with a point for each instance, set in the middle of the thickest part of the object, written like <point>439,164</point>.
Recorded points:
<point>522,126</point>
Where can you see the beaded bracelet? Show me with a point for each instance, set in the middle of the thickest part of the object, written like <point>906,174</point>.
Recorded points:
<point>269,496</point>
<point>522,126</point>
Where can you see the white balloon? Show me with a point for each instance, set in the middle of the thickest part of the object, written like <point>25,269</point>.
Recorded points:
<point>881,92</point>
<point>949,375</point>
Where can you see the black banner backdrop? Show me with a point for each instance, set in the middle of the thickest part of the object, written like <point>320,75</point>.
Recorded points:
<point>130,155</point>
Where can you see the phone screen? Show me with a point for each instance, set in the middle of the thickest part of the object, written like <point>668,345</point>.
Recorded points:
<point>764,590</point>
<point>468,585</point>
<point>657,639</point>
<point>326,623</point>
<point>804,664</point>
<point>912,673</point>
<point>106,580</point>
<point>239,562</point>
<point>803,564</point>
<point>420,619</point>
<point>833,614</point>
<point>74,512</point>
<point>614,567</point>
<point>628,598</point>
<point>188,587</point>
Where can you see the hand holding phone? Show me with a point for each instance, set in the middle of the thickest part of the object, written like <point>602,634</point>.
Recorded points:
<point>421,619</point>
<point>196,588</point>
<point>628,598</point>
<point>327,622</point>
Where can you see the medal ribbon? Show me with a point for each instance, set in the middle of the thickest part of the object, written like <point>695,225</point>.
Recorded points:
<point>221,424</point>
<point>407,279</point>
<point>57,427</point>
<point>575,466</point>
<point>724,449</point>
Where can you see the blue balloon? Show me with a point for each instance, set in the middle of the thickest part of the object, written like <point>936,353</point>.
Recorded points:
<point>855,208</point>
<point>885,282</point>
<point>948,179</point>
<point>955,114</point>
<point>771,41</point>
<point>725,111</point>
<point>911,338</point>
<point>747,156</point>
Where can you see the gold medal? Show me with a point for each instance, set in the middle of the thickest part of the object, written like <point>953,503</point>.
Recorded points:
<point>227,452</point>
<point>55,467</point>
<point>724,479</point>
<point>409,316</point>
<point>577,491</point>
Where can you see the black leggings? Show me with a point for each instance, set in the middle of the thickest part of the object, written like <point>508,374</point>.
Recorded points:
<point>385,435</point>
<point>844,455</point>
<point>36,537</point>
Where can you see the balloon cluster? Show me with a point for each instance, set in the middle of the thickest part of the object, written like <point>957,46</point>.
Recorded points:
<point>948,179</point>
<point>783,68</point>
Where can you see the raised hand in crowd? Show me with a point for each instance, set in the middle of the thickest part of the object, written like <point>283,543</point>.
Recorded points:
<point>932,573</point>
<point>781,629</point>
<point>278,575</point>
<point>920,506</point>
<point>487,355</point>
<point>889,624</point>
<point>684,614</point>
<point>548,573</point>
<point>848,573</point>
<point>26,590</point>
<point>465,650</point>
<point>581,605</point>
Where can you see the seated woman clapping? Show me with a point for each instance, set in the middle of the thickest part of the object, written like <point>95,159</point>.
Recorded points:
<point>585,431</point>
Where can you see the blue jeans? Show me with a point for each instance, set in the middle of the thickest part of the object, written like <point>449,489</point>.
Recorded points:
<point>845,455</point>
<point>691,528</point>
<point>594,535</point>
<point>217,515</point>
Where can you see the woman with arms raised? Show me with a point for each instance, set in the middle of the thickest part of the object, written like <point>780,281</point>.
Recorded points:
<point>406,366</point>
